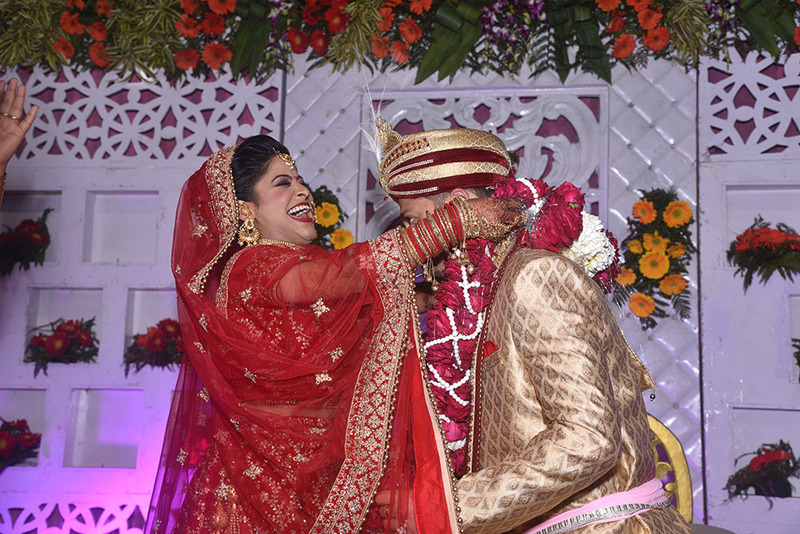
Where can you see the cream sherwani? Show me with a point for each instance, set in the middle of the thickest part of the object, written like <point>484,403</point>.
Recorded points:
<point>563,420</point>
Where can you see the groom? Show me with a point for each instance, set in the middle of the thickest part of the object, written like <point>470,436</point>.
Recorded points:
<point>542,410</point>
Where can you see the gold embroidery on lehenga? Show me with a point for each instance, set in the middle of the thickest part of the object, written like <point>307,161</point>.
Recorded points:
<point>182,455</point>
<point>249,375</point>
<point>200,347</point>
<point>203,394</point>
<point>246,294</point>
<point>336,354</point>
<point>253,471</point>
<point>199,230</point>
<point>235,424</point>
<point>203,322</point>
<point>319,308</point>
<point>223,490</point>
<point>323,377</point>
<point>299,458</point>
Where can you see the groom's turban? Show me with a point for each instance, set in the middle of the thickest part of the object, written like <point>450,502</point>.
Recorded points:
<point>427,163</point>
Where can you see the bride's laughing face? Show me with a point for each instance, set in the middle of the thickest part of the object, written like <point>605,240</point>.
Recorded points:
<point>282,205</point>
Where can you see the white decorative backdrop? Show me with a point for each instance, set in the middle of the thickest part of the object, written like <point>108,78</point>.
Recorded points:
<point>110,157</point>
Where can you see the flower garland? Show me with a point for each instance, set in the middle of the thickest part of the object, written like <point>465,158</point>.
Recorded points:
<point>17,443</point>
<point>61,342</point>
<point>24,245</point>
<point>762,250</point>
<point>555,222</point>
<point>257,37</point>
<point>768,473</point>
<point>161,346</point>
<point>329,220</point>
<point>656,255</point>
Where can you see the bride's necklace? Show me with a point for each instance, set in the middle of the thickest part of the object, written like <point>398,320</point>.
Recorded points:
<point>276,242</point>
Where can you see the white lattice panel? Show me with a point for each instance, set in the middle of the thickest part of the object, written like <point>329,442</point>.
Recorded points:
<point>751,108</point>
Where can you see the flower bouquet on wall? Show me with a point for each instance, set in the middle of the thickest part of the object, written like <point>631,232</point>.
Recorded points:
<point>17,443</point>
<point>656,254</point>
<point>763,251</point>
<point>62,342</point>
<point>328,220</point>
<point>25,244</point>
<point>160,346</point>
<point>767,473</point>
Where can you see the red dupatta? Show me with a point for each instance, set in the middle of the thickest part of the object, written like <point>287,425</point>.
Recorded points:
<point>293,404</point>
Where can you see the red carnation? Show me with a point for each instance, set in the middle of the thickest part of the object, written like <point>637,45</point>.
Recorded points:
<point>311,14</point>
<point>319,43</point>
<point>69,328</point>
<point>70,23</point>
<point>64,47</point>
<point>186,59</point>
<point>298,40</point>
<point>97,55</point>
<point>222,7</point>
<point>98,31</point>
<point>170,327</point>
<point>56,344</point>
<point>102,7</point>
<point>215,54</point>
<point>213,25</point>
<point>571,194</point>
<point>337,20</point>
<point>155,340</point>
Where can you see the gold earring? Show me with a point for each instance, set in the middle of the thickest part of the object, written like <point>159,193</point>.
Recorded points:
<point>314,212</point>
<point>248,233</point>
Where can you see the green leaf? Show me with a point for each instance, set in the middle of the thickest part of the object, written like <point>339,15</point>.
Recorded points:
<point>760,24</point>
<point>467,37</point>
<point>437,52</point>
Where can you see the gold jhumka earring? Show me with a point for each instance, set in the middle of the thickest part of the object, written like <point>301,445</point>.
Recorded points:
<point>248,233</point>
<point>314,212</point>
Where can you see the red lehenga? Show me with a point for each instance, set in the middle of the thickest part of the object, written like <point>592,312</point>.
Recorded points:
<point>301,380</point>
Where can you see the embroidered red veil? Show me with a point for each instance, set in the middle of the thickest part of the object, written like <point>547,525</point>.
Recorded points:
<point>300,394</point>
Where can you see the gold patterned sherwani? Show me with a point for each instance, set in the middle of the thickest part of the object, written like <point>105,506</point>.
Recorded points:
<point>563,421</point>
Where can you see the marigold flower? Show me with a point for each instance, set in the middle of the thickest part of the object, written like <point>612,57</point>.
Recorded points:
<point>644,211</point>
<point>608,5</point>
<point>676,251</point>
<point>64,47</point>
<point>617,23</point>
<point>649,18</point>
<point>410,30</point>
<point>623,46</point>
<point>215,54</point>
<point>327,214</point>
<point>186,59</point>
<point>387,18</point>
<point>189,6</point>
<point>97,53</point>
<point>212,25</point>
<point>656,39</point>
<point>222,7</point>
<point>70,23</point>
<point>673,284</point>
<point>298,40</point>
<point>655,243</point>
<point>98,31</point>
<point>380,46</point>
<point>626,276</point>
<point>419,6</point>
<point>187,26</point>
<point>56,344</point>
<point>677,213</point>
<point>638,5</point>
<point>635,246</point>
<point>102,8</point>
<point>641,305</point>
<point>319,42</point>
<point>400,52</point>
<point>341,238</point>
<point>654,265</point>
<point>337,20</point>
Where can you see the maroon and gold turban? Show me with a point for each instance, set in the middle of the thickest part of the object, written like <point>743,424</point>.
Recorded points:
<point>427,163</point>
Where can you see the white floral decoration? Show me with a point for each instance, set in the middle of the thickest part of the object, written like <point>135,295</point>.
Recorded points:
<point>592,250</point>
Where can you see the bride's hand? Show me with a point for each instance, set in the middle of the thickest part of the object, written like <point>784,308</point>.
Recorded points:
<point>493,217</point>
<point>14,124</point>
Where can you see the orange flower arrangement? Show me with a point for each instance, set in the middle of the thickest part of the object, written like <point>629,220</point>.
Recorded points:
<point>763,251</point>
<point>160,346</point>
<point>656,254</point>
<point>17,443</point>
<point>623,46</point>
<point>61,342</point>
<point>24,245</point>
<point>398,29</point>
